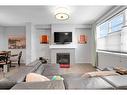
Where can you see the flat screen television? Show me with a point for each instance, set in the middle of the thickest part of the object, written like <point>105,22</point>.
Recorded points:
<point>62,37</point>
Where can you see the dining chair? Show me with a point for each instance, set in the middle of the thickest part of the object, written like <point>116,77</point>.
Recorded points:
<point>19,57</point>
<point>15,59</point>
<point>4,62</point>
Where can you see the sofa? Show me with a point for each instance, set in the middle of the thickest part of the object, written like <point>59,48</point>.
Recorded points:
<point>71,81</point>
<point>18,78</point>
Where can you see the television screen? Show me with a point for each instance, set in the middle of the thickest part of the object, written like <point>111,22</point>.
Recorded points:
<point>62,37</point>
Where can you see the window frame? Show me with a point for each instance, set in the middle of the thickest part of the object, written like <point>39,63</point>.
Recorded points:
<point>109,31</point>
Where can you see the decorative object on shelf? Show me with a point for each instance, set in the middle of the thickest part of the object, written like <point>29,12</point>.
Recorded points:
<point>44,39</point>
<point>83,39</point>
<point>62,13</point>
<point>16,42</point>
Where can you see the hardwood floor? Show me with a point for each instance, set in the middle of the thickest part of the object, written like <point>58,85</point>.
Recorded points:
<point>78,68</point>
<point>11,71</point>
<point>74,68</point>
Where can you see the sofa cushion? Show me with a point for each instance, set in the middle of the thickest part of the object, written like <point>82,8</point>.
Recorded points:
<point>57,84</point>
<point>119,82</point>
<point>51,69</point>
<point>76,82</point>
<point>33,63</point>
<point>39,70</point>
<point>34,77</point>
<point>6,84</point>
<point>35,67</point>
<point>20,75</point>
<point>71,75</point>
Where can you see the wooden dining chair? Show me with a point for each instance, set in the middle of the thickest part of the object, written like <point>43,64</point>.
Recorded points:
<point>16,59</point>
<point>19,57</point>
<point>2,62</point>
<point>5,62</point>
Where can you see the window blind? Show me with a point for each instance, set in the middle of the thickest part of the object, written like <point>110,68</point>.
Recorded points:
<point>110,35</point>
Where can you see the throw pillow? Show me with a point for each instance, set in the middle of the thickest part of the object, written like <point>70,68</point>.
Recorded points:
<point>34,77</point>
<point>99,74</point>
<point>57,78</point>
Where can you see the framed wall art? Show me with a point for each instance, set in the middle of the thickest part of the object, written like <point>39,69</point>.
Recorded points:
<point>44,39</point>
<point>16,42</point>
<point>83,39</point>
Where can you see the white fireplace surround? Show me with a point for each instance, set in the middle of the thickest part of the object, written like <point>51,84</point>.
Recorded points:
<point>62,48</point>
<point>54,52</point>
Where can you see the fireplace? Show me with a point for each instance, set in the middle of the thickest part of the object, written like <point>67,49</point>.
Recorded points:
<point>63,59</point>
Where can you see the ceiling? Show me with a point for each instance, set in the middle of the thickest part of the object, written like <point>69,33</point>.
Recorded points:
<point>19,15</point>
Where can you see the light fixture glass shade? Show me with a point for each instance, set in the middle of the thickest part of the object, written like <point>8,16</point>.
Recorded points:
<point>62,14</point>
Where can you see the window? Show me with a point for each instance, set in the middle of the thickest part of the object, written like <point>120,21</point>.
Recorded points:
<point>103,29</point>
<point>102,32</point>
<point>109,34</point>
<point>116,23</point>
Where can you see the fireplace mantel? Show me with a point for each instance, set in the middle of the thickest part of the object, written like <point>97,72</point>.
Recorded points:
<point>63,46</point>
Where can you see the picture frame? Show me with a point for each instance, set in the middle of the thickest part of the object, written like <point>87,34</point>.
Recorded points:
<point>16,42</point>
<point>83,39</point>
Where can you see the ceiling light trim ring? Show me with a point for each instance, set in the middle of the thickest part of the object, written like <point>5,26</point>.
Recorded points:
<point>67,15</point>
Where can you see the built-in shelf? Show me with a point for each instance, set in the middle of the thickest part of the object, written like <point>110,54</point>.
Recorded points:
<point>66,46</point>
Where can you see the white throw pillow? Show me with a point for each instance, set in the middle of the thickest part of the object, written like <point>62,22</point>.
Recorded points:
<point>34,77</point>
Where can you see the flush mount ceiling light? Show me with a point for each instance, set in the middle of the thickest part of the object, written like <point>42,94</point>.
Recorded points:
<point>62,13</point>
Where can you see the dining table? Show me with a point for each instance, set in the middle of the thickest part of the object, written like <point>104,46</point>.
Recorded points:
<point>3,52</point>
<point>4,60</point>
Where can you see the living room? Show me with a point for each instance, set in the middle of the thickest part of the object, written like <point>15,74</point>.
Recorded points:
<point>36,49</point>
<point>78,51</point>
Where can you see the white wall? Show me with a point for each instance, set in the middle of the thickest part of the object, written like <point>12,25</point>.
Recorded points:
<point>35,50</point>
<point>82,54</point>
<point>29,31</point>
<point>8,31</point>
<point>2,38</point>
<point>83,51</point>
<point>42,50</point>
